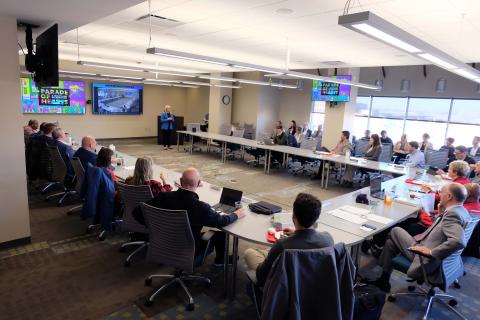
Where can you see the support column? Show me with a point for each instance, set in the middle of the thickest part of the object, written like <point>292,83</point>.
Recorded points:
<point>220,105</point>
<point>14,214</point>
<point>341,116</point>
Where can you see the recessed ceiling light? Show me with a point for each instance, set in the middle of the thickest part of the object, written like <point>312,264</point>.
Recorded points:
<point>284,11</point>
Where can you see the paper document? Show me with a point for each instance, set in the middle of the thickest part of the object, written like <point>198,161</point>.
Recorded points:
<point>355,210</point>
<point>428,202</point>
<point>354,218</point>
<point>379,219</point>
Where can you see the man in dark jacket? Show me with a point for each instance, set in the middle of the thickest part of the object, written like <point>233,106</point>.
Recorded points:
<point>461,153</point>
<point>66,151</point>
<point>306,210</point>
<point>86,153</point>
<point>46,133</point>
<point>200,214</point>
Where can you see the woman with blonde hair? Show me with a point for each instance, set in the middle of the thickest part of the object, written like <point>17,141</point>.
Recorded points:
<point>143,175</point>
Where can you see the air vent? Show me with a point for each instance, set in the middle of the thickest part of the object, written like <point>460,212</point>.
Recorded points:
<point>332,63</point>
<point>159,21</point>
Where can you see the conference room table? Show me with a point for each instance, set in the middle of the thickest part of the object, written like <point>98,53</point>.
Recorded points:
<point>253,227</point>
<point>326,158</point>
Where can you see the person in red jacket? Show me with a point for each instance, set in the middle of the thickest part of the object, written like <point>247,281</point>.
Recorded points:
<point>472,204</point>
<point>458,171</point>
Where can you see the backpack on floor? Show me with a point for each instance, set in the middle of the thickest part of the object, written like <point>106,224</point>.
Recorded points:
<point>369,302</point>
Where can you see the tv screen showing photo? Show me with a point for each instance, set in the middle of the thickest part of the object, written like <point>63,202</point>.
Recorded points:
<point>67,98</point>
<point>329,91</point>
<point>117,99</point>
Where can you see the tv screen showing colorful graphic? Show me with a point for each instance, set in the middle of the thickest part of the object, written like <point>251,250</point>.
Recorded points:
<point>117,99</point>
<point>67,98</point>
<point>329,91</point>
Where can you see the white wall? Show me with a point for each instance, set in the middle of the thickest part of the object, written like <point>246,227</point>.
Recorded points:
<point>245,100</point>
<point>197,104</point>
<point>295,104</point>
<point>14,215</point>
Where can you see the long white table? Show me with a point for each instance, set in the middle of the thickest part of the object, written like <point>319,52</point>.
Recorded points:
<point>253,227</point>
<point>299,152</point>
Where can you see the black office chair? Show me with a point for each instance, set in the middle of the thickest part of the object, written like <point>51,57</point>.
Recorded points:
<point>171,244</point>
<point>132,197</point>
<point>59,174</point>
<point>79,179</point>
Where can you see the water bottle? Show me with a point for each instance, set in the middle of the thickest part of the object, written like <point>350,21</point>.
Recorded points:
<point>348,154</point>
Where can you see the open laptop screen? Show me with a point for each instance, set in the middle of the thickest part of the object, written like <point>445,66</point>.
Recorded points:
<point>375,184</point>
<point>230,196</point>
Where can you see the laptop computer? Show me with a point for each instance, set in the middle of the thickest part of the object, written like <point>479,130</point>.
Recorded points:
<point>268,141</point>
<point>227,200</point>
<point>376,190</point>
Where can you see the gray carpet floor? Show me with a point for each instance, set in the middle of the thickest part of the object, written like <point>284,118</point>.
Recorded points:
<point>67,274</point>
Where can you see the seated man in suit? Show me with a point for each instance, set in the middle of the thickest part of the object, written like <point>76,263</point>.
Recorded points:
<point>200,214</point>
<point>306,210</point>
<point>86,153</point>
<point>47,134</point>
<point>441,239</point>
<point>65,150</point>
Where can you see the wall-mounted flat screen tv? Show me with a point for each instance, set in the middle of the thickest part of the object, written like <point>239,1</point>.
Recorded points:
<point>67,98</point>
<point>329,91</point>
<point>117,99</point>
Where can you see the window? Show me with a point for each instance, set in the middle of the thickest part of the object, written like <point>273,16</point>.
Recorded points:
<point>436,130</point>
<point>394,127</point>
<point>463,133</point>
<point>317,115</point>
<point>440,118</point>
<point>362,110</point>
<point>425,109</point>
<point>465,111</point>
<point>387,107</point>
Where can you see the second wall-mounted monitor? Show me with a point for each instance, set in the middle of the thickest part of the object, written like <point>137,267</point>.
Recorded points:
<point>329,91</point>
<point>117,99</point>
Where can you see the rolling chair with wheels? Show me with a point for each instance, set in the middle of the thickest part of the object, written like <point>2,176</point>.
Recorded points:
<point>451,270</point>
<point>171,244</point>
<point>79,178</point>
<point>133,196</point>
<point>59,174</point>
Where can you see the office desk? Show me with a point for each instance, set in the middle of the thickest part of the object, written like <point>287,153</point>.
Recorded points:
<point>305,153</point>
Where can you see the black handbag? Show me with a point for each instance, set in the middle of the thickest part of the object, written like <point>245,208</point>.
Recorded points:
<point>263,207</point>
<point>369,302</point>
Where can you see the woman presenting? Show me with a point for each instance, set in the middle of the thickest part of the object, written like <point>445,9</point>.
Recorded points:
<point>167,120</point>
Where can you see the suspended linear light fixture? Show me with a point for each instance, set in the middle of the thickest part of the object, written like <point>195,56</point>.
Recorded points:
<point>375,27</point>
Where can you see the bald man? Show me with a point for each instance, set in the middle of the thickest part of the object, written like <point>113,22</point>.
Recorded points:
<point>200,214</point>
<point>86,153</point>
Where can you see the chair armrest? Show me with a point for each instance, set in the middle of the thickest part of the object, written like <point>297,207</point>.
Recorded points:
<point>208,235</point>
<point>251,276</point>
<point>420,254</point>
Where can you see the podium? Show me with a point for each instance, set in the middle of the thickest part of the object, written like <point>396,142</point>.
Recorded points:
<point>178,124</point>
